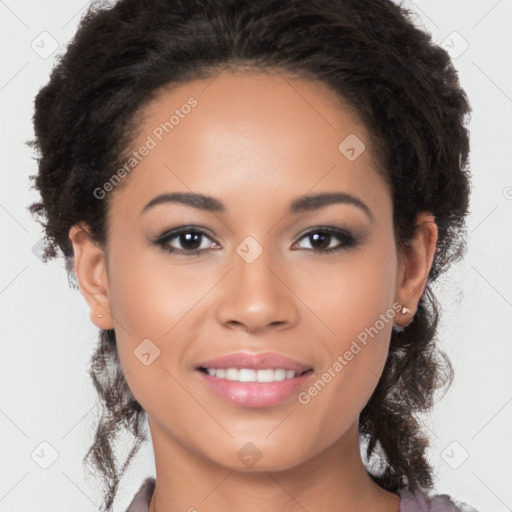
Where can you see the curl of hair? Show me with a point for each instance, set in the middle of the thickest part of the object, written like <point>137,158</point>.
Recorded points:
<point>403,87</point>
<point>120,411</point>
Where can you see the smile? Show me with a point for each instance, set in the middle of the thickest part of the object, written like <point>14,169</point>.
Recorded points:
<point>251,375</point>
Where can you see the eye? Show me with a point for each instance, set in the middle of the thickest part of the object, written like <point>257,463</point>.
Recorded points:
<point>320,239</point>
<point>190,241</point>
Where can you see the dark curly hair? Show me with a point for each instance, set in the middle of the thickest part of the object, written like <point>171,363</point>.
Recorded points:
<point>403,87</point>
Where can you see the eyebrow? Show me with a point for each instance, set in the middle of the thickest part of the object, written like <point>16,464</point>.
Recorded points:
<point>302,204</point>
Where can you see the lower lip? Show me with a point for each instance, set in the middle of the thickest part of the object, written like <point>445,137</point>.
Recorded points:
<point>255,394</point>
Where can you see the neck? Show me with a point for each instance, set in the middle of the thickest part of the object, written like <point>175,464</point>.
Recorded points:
<point>334,479</point>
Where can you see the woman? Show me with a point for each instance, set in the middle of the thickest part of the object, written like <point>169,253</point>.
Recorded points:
<point>255,198</point>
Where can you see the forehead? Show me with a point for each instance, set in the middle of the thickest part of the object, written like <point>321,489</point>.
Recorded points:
<point>249,131</point>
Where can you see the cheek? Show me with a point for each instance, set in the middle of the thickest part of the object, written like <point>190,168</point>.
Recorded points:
<point>350,296</point>
<point>355,303</point>
<point>154,306</point>
<point>149,297</point>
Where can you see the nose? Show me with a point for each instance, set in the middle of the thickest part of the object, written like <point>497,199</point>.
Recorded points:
<point>256,296</point>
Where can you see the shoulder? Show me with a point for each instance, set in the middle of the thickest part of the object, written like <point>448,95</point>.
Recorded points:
<point>140,502</point>
<point>420,501</point>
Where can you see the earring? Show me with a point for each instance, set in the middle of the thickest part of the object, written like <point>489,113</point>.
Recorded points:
<point>405,310</point>
<point>99,315</point>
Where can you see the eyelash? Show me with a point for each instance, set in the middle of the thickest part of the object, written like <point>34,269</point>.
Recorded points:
<point>347,240</point>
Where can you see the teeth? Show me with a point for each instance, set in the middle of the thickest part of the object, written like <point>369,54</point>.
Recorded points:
<point>250,375</point>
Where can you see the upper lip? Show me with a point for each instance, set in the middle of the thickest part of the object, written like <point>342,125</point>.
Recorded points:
<point>259,361</point>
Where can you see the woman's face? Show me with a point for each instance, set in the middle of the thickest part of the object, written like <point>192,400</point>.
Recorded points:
<point>290,254</point>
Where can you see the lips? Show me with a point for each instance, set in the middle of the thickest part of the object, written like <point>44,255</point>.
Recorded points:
<point>262,361</point>
<point>254,380</point>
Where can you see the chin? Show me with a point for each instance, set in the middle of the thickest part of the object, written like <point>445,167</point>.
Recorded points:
<point>252,457</point>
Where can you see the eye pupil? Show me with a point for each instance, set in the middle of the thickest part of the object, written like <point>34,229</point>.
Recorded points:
<point>190,240</point>
<point>323,238</point>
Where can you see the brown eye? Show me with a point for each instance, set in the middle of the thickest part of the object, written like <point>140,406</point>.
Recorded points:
<point>321,239</point>
<point>188,241</point>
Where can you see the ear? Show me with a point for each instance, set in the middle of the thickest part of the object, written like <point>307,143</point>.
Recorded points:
<point>415,260</point>
<point>91,273</point>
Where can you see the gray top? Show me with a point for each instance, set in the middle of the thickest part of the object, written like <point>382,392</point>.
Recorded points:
<point>410,501</point>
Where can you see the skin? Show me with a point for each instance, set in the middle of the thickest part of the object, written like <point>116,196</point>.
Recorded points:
<point>255,142</point>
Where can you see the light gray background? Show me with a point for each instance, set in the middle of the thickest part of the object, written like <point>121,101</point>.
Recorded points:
<point>47,338</point>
